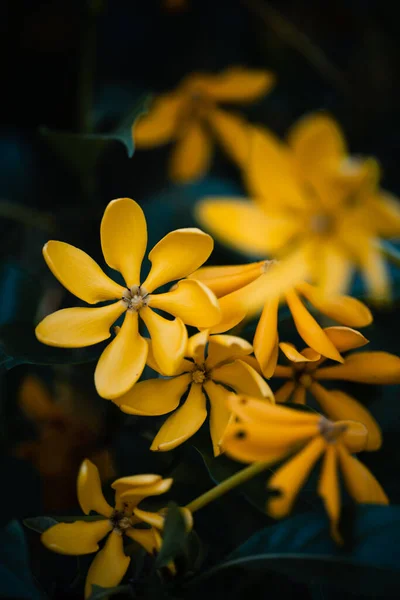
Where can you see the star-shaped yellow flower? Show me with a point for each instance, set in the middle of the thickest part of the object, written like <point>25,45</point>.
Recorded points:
<point>123,240</point>
<point>82,537</point>
<point>190,115</point>
<point>212,364</point>
<point>305,373</point>
<point>311,197</point>
<point>268,432</point>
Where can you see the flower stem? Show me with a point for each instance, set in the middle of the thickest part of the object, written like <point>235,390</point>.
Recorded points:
<point>227,485</point>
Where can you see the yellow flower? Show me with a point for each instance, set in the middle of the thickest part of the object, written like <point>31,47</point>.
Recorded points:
<point>245,290</point>
<point>190,114</point>
<point>203,373</point>
<point>82,537</point>
<point>311,197</point>
<point>269,433</point>
<point>123,240</point>
<point>305,373</point>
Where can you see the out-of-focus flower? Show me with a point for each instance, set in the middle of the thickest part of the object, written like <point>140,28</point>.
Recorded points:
<point>311,196</point>
<point>190,117</point>
<point>270,433</point>
<point>245,290</point>
<point>305,373</point>
<point>204,372</point>
<point>82,537</point>
<point>123,240</point>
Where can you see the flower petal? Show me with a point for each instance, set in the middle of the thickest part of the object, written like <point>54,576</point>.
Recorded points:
<point>192,154</point>
<point>196,346</point>
<point>354,437</point>
<point>122,362</point>
<point>328,489</point>
<point>154,396</point>
<point>36,401</point>
<point>338,406</point>
<point>345,338</point>
<point>289,350</point>
<point>191,301</point>
<point>375,272</point>
<point>243,379</point>
<point>289,479</point>
<point>90,494</point>
<point>266,337</point>
<point>220,415</point>
<point>226,347</point>
<point>136,495</point>
<point>233,133</point>
<point>78,327</point>
<point>359,481</point>
<point>283,394</point>
<point>76,538</point>
<point>151,518</point>
<point>335,270</point>
<point>255,410</point>
<point>365,367</point>
<point>169,262</point>
<point>145,479</point>
<point>385,209</point>
<point>235,84</point>
<point>159,125</point>
<point>184,423</point>
<point>169,340</point>
<point>79,273</point>
<point>299,396</point>
<point>224,280</point>
<point>123,234</point>
<point>149,539</point>
<point>109,565</point>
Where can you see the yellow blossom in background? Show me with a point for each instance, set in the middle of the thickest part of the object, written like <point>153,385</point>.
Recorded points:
<point>124,240</point>
<point>211,364</point>
<point>190,117</point>
<point>305,374</point>
<point>82,537</point>
<point>311,199</point>
<point>269,433</point>
<point>246,290</point>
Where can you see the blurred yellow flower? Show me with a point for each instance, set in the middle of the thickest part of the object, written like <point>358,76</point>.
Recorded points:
<point>310,195</point>
<point>269,433</point>
<point>82,537</point>
<point>305,373</point>
<point>123,240</point>
<point>204,372</point>
<point>190,116</point>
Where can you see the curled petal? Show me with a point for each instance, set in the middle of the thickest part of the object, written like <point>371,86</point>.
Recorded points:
<point>76,538</point>
<point>259,411</point>
<point>283,394</point>
<point>160,124</point>
<point>236,84</point>
<point>197,346</point>
<point>243,379</point>
<point>328,489</point>
<point>136,495</point>
<point>149,539</point>
<point>232,311</point>
<point>289,350</point>
<point>145,479</point>
<point>266,337</point>
<point>224,280</point>
<point>226,347</point>
<point>365,367</point>
<point>192,154</point>
<point>359,481</point>
<point>151,518</point>
<point>345,338</point>
<point>109,565</point>
<point>220,415</point>
<point>90,494</point>
<point>169,340</point>
<point>154,396</point>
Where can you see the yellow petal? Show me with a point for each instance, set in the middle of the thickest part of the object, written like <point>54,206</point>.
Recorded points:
<point>385,209</point>
<point>224,280</point>
<point>191,301</point>
<point>283,372</point>
<point>79,273</point>
<point>169,340</point>
<point>328,489</point>
<point>375,273</point>
<point>76,538</point>
<point>192,154</point>
<point>289,479</point>
<point>160,124</point>
<point>359,481</point>
<point>289,350</point>
<point>109,565</point>
<point>90,494</point>
<point>35,400</point>
<point>136,495</point>
<point>284,392</point>
<point>344,309</point>
<point>232,311</point>
<point>262,412</point>
<point>220,415</point>
<point>124,238</point>
<point>154,396</point>
<point>338,406</point>
<point>299,396</point>
<point>243,379</point>
<point>184,423</point>
<point>236,84</point>
<point>151,518</point>
<point>196,347</point>
<point>226,347</point>
<point>335,270</point>
<point>365,367</point>
<point>145,479</point>
<point>266,337</point>
<point>345,338</point>
<point>78,327</point>
<point>232,130</point>
<point>149,539</point>
<point>122,362</point>
<point>309,329</point>
<point>354,437</point>
<point>169,262</point>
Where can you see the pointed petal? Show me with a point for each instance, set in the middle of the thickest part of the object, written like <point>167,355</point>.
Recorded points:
<point>90,494</point>
<point>197,346</point>
<point>191,301</point>
<point>226,347</point>
<point>289,350</point>
<point>365,367</point>
<point>328,489</point>
<point>375,273</point>
<point>122,362</point>
<point>235,84</point>
<point>345,338</point>
<point>261,412</point>
<point>169,340</point>
<point>169,262</point>
<point>243,379</point>
<point>151,518</point>
<point>184,423</point>
<point>359,481</point>
<point>266,337</point>
<point>136,495</point>
<point>224,280</point>
<point>284,392</point>
<point>154,396</point>
<point>335,270</point>
<point>220,415</point>
<point>79,273</point>
<point>76,538</point>
<point>192,154</point>
<point>78,327</point>
<point>385,209</point>
<point>36,401</point>
<point>109,565</point>
<point>338,406</point>
<point>233,133</point>
<point>159,125</point>
<point>149,539</point>
<point>123,234</point>
<point>289,479</point>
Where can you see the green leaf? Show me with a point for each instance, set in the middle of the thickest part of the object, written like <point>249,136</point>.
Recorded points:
<point>100,593</point>
<point>174,536</point>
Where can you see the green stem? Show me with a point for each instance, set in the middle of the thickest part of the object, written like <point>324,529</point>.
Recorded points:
<point>227,485</point>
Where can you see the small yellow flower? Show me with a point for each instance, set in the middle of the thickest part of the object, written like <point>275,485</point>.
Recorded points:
<point>82,537</point>
<point>246,290</point>
<point>269,433</point>
<point>311,198</point>
<point>204,373</point>
<point>305,373</point>
<point>123,240</point>
<point>190,114</point>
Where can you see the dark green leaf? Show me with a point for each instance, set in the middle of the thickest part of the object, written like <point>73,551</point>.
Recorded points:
<point>100,593</point>
<point>39,524</point>
<point>174,536</point>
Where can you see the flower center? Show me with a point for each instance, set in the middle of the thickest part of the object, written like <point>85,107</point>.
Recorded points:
<point>136,298</point>
<point>199,374</point>
<point>268,264</point>
<point>120,522</point>
<point>305,380</point>
<point>321,223</point>
<point>330,430</point>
